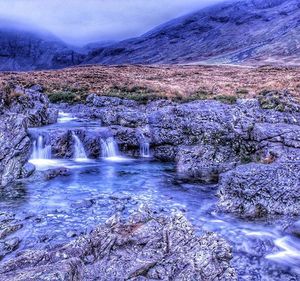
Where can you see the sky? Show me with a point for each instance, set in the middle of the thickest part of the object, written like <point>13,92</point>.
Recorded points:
<point>79,22</point>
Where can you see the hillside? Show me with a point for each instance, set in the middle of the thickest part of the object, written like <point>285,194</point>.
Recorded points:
<point>30,49</point>
<point>247,31</point>
<point>252,32</point>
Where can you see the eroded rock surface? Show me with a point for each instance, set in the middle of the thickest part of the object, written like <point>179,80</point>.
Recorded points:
<point>144,247</point>
<point>206,138</point>
<point>28,108</point>
<point>256,190</point>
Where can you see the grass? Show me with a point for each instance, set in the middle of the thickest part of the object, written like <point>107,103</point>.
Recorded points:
<point>278,100</point>
<point>178,83</point>
<point>137,93</point>
<point>9,95</point>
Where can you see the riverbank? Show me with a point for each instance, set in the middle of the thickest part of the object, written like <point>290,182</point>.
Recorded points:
<point>247,155</point>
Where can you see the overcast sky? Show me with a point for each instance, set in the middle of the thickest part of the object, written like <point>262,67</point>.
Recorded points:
<point>83,21</point>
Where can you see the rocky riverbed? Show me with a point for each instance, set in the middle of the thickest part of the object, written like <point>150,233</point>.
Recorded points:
<point>172,157</point>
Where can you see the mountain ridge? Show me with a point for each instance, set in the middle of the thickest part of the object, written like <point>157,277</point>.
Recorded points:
<point>228,32</point>
<point>233,32</point>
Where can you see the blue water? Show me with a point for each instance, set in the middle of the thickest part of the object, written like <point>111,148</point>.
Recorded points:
<point>56,211</point>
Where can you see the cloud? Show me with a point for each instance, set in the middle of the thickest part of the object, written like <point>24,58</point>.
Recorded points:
<point>82,21</point>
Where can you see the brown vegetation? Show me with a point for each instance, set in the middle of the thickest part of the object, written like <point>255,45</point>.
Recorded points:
<point>225,83</point>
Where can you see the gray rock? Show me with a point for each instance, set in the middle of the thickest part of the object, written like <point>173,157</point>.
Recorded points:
<point>14,147</point>
<point>145,247</point>
<point>205,162</point>
<point>256,190</point>
<point>56,172</point>
<point>27,170</point>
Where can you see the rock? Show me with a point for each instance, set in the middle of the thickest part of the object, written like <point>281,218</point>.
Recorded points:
<point>8,246</point>
<point>29,108</point>
<point>71,234</point>
<point>34,106</point>
<point>14,148</point>
<point>204,163</point>
<point>256,190</point>
<point>27,170</point>
<point>83,204</point>
<point>53,173</point>
<point>102,101</point>
<point>9,228</point>
<point>144,247</point>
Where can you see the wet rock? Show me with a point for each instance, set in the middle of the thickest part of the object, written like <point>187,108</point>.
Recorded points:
<point>8,228</point>
<point>144,247</point>
<point>34,106</point>
<point>30,108</point>
<point>8,246</point>
<point>53,173</point>
<point>27,170</point>
<point>165,153</point>
<point>83,204</point>
<point>71,234</point>
<point>256,190</point>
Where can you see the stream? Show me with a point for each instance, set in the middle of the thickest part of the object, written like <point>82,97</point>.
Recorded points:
<point>58,210</point>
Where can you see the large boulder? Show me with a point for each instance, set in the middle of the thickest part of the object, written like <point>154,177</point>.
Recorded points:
<point>34,105</point>
<point>204,162</point>
<point>144,247</point>
<point>22,108</point>
<point>256,190</point>
<point>14,147</point>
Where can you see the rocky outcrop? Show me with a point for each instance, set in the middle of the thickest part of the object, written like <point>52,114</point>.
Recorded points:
<point>14,147</point>
<point>257,190</point>
<point>34,105</point>
<point>204,162</point>
<point>208,138</point>
<point>144,247</point>
<point>26,108</point>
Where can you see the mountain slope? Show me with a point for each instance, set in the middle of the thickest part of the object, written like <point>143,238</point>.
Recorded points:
<point>230,32</point>
<point>25,49</point>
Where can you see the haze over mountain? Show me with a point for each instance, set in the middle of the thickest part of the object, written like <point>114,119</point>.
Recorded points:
<point>241,31</point>
<point>230,32</point>
<point>23,47</point>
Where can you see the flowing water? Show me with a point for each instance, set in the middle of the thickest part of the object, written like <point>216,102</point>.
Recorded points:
<point>64,207</point>
<point>79,151</point>
<point>144,146</point>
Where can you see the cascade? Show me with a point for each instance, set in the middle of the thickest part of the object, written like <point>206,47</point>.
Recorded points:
<point>40,150</point>
<point>109,148</point>
<point>79,152</point>
<point>144,147</point>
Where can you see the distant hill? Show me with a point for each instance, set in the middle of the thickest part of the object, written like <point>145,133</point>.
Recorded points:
<point>25,48</point>
<point>251,31</point>
<point>234,32</point>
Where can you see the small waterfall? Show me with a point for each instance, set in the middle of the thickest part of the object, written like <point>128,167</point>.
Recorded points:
<point>79,152</point>
<point>144,147</point>
<point>109,148</point>
<point>40,150</point>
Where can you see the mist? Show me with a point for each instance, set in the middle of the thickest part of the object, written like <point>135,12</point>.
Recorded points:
<point>79,22</point>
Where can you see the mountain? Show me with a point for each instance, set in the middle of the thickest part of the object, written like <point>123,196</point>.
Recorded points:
<point>246,31</point>
<point>234,32</point>
<point>23,47</point>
